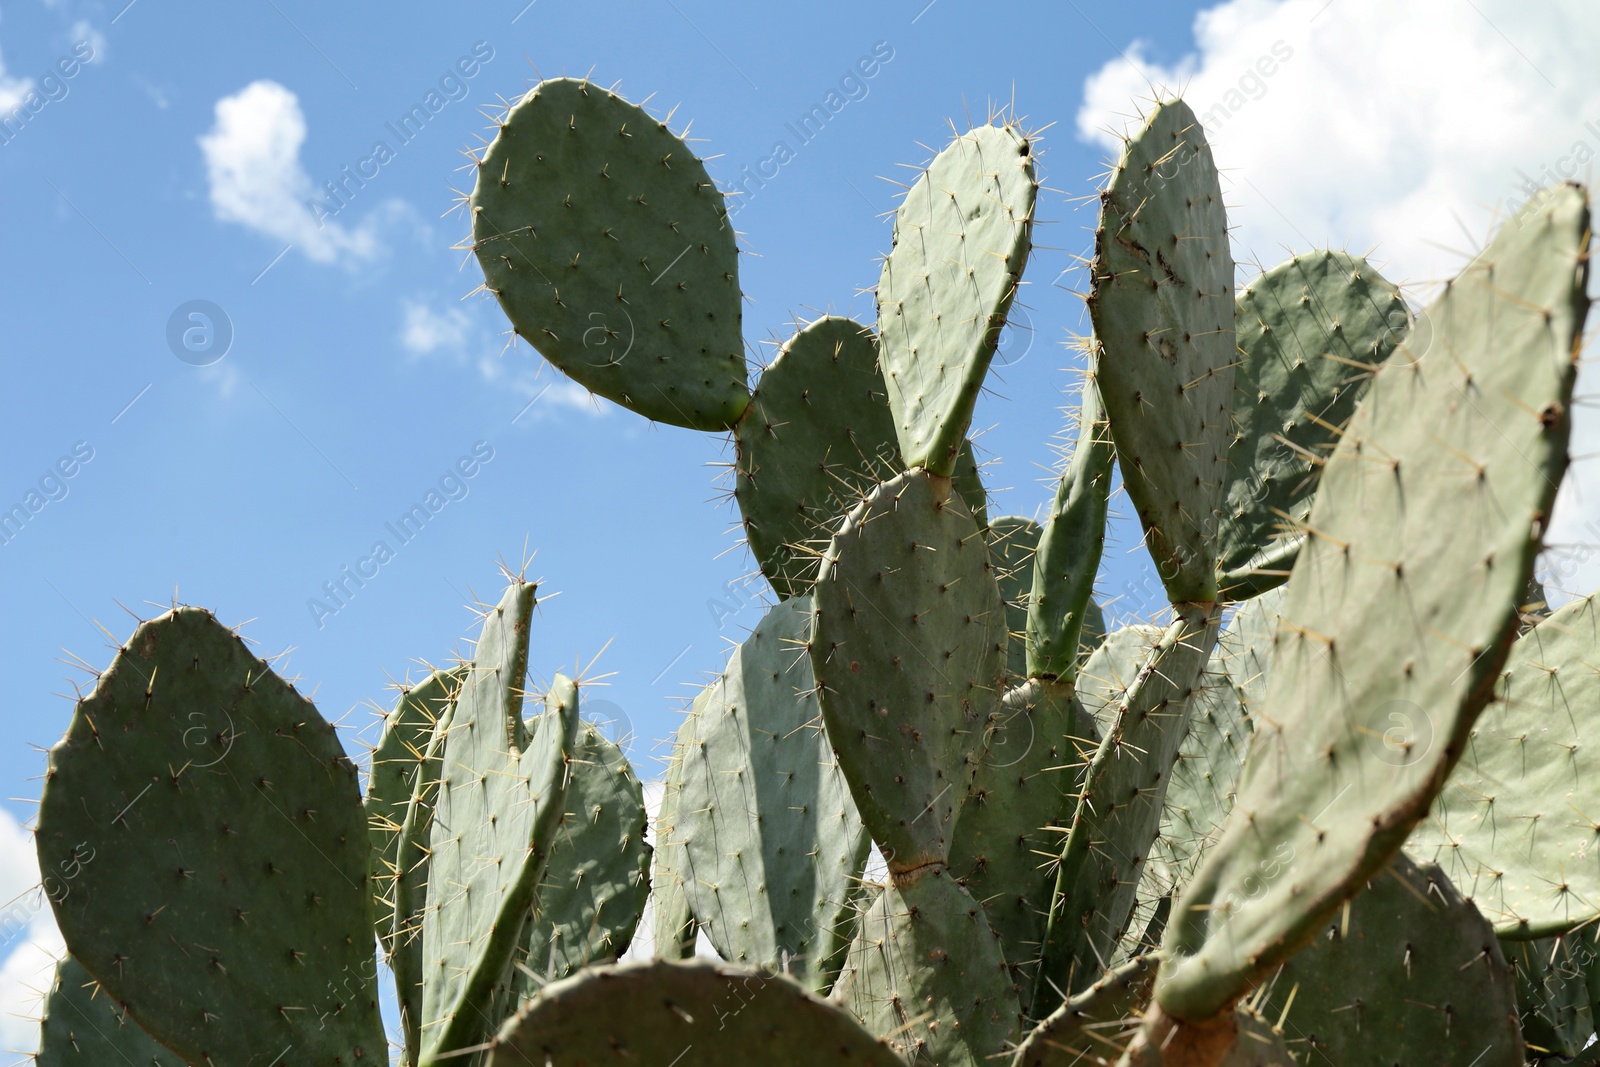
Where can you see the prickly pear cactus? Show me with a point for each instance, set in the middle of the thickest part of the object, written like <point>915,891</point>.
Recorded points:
<point>928,975</point>
<point>908,652</point>
<point>1512,827</point>
<point>592,894</point>
<point>501,798</point>
<point>84,1027</point>
<point>1163,313</point>
<point>658,1014</point>
<point>609,248</point>
<point>1407,972</point>
<point>1392,613</point>
<point>771,848</point>
<point>1151,848</point>
<point>961,237</point>
<point>215,830</point>
<point>1309,332</point>
<point>818,435</point>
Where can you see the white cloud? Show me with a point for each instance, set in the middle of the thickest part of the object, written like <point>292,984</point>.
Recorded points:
<point>253,166</point>
<point>83,30</point>
<point>1403,130</point>
<point>427,331</point>
<point>28,936</point>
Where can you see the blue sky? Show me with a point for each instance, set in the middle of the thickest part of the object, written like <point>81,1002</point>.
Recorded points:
<point>186,159</point>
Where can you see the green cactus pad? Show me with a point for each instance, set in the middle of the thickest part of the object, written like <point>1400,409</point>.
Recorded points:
<point>928,975</point>
<point>1408,973</point>
<point>495,820</point>
<point>210,829</point>
<point>1245,647</point>
<point>668,1013</point>
<point>673,926</point>
<point>1115,825</point>
<point>609,248</point>
<point>1009,830</point>
<point>396,761</point>
<point>84,1027</point>
<point>1556,1014</point>
<point>961,237</point>
<point>1206,775</point>
<point>818,436</point>
<point>1396,621</point>
<point>968,484</point>
<point>773,847</point>
<point>1013,540</point>
<point>1111,670</point>
<point>411,882</point>
<point>1093,1025</point>
<point>909,655</point>
<point>1162,305</point>
<point>1309,331</point>
<point>1515,825</point>
<point>1069,548</point>
<point>592,895</point>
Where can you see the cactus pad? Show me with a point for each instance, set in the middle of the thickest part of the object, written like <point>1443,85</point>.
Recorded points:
<point>1024,791</point>
<point>818,436</point>
<point>1515,827</point>
<point>961,237</point>
<point>1069,548</point>
<point>500,802</point>
<point>411,883</point>
<point>1162,305</point>
<point>1089,1027</point>
<point>1408,973</point>
<point>909,655</point>
<point>1395,624</point>
<point>1103,856</point>
<point>84,1027</point>
<point>654,1014</point>
<point>1013,541</point>
<point>772,845</point>
<point>396,763</point>
<point>928,974</point>
<point>609,248</point>
<point>1308,331</point>
<point>215,827</point>
<point>589,901</point>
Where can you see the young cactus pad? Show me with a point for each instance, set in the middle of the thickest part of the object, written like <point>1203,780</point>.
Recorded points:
<point>1393,614</point>
<point>609,248</point>
<point>961,237</point>
<point>215,830</point>
<point>500,802</point>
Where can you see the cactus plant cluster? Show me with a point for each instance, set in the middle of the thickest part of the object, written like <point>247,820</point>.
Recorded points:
<point>1335,806</point>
